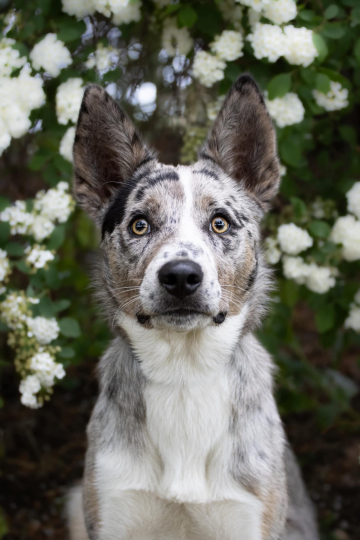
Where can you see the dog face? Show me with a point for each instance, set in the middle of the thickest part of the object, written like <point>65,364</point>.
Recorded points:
<point>180,245</point>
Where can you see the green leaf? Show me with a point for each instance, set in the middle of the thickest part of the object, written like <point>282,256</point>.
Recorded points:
<point>357,50</point>
<point>299,208</point>
<point>113,76</point>
<point>322,83</point>
<point>355,15</point>
<point>333,30</point>
<point>46,307</point>
<point>306,15</point>
<point>69,327</point>
<point>331,11</point>
<point>308,75</point>
<point>232,71</point>
<point>57,237</point>
<point>4,231</point>
<point>70,30</point>
<point>325,318</point>
<point>290,152</point>
<point>15,249</point>
<point>321,47</point>
<point>348,134</point>
<point>319,228</point>
<point>60,305</point>
<point>4,203</point>
<point>66,352</point>
<point>279,86</point>
<point>187,17</point>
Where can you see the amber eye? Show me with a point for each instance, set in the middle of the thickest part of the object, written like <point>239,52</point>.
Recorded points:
<point>219,225</point>
<point>140,227</point>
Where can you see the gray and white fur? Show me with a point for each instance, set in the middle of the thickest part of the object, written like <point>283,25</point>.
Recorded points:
<point>185,441</point>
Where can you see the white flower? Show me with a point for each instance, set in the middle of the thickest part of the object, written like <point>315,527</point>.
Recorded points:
<point>54,204</point>
<point>4,265</point>
<point>346,231</point>
<point>353,319</point>
<point>67,143</point>
<point>335,99</point>
<point>287,110</point>
<point>28,388</point>
<point>320,279</point>
<point>295,268</point>
<point>46,369</point>
<point>268,41</point>
<point>44,330</point>
<point>68,100</point>
<point>14,310</point>
<point>293,239</point>
<point>272,252</point>
<point>51,55</point>
<point>228,46</point>
<point>213,108</point>
<point>103,58</point>
<point>231,12</point>
<point>280,11</point>
<point>253,17</point>
<point>18,97</point>
<point>353,198</point>
<point>256,5</point>
<point>9,58</point>
<point>19,219</point>
<point>38,257</point>
<point>299,46</point>
<point>41,228</point>
<point>124,11</point>
<point>176,40</point>
<point>207,68</point>
<point>317,209</point>
<point>317,279</point>
<point>79,8</point>
<point>283,170</point>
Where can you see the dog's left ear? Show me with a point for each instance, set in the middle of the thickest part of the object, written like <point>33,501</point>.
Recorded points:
<point>243,142</point>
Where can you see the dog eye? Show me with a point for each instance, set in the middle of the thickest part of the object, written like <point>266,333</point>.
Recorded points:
<point>219,225</point>
<point>140,227</point>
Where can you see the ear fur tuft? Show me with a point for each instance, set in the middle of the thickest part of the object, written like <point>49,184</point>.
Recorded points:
<point>107,151</point>
<point>243,142</point>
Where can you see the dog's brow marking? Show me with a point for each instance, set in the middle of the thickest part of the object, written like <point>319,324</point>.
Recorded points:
<point>159,176</point>
<point>207,172</point>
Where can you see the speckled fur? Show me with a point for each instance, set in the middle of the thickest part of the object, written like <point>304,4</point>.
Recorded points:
<point>185,441</point>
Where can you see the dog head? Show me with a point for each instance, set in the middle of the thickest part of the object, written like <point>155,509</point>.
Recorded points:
<point>180,244</point>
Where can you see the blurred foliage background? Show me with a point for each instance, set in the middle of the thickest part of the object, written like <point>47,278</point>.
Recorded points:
<point>150,56</point>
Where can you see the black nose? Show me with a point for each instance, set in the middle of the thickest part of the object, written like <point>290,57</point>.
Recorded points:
<point>181,278</point>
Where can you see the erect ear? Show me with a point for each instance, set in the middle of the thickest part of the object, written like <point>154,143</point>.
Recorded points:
<point>107,151</point>
<point>243,142</point>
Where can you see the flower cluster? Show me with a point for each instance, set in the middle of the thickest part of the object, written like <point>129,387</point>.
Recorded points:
<point>5,269</point>
<point>122,11</point>
<point>208,68</point>
<point>51,55</point>
<point>353,319</point>
<point>30,337</point>
<point>228,46</point>
<point>293,239</point>
<point>335,99</point>
<point>10,58</point>
<point>18,97</point>
<point>68,100</point>
<point>176,40</point>
<point>316,278</point>
<point>38,257</point>
<point>294,44</point>
<point>54,205</point>
<point>346,231</point>
<point>287,110</point>
<point>102,59</point>
<point>67,143</point>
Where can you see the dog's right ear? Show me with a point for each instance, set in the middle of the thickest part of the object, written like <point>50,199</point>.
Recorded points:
<point>107,151</point>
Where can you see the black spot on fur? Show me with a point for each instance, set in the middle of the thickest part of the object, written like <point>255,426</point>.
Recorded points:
<point>252,277</point>
<point>161,176</point>
<point>208,172</point>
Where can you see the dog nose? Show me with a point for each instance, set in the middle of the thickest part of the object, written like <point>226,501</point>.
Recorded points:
<point>181,278</point>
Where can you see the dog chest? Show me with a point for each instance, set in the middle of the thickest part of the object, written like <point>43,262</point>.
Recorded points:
<point>189,429</point>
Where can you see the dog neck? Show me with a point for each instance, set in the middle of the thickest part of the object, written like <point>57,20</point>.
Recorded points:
<point>184,358</point>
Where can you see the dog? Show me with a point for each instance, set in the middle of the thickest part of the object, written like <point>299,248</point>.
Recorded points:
<point>185,441</point>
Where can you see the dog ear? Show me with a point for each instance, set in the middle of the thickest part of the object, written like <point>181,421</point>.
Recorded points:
<point>107,151</point>
<point>243,142</point>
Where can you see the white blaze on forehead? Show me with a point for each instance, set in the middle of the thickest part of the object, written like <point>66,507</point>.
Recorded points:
<point>187,227</point>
